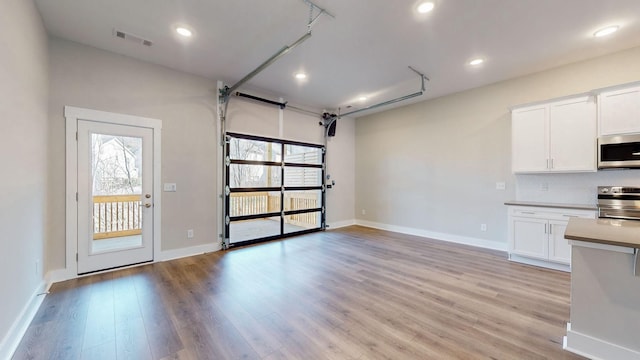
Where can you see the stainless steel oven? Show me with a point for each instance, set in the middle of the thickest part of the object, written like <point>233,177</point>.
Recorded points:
<point>619,202</point>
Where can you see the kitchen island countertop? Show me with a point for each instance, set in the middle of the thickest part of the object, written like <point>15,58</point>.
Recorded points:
<point>605,231</point>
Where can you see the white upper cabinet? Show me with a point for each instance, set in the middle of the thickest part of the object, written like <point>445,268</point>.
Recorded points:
<point>557,136</point>
<point>572,135</point>
<point>530,147</point>
<point>619,111</point>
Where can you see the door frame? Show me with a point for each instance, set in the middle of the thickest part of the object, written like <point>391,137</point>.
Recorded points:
<point>72,115</point>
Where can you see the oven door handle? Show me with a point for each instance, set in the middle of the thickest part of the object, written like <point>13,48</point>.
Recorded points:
<point>636,153</point>
<point>620,214</point>
<point>636,262</point>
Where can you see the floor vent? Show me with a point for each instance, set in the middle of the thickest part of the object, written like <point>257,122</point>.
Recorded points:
<point>130,37</point>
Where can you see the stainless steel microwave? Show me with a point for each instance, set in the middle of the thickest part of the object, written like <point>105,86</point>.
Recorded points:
<point>619,151</point>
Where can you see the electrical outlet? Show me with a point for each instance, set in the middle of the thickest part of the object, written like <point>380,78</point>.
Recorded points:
<point>364,212</point>
<point>544,186</point>
<point>501,185</point>
<point>190,234</point>
<point>483,227</point>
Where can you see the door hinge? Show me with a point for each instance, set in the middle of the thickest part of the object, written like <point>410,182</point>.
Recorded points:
<point>76,257</point>
<point>76,136</point>
<point>76,197</point>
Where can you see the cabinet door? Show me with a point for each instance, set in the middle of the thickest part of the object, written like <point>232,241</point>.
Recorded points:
<point>559,248</point>
<point>529,139</point>
<point>619,111</point>
<point>572,135</point>
<point>529,237</point>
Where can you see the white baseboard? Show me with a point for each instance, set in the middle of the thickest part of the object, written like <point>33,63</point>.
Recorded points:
<point>594,348</point>
<point>339,224</point>
<point>189,251</point>
<point>12,339</point>
<point>59,275</point>
<point>540,263</point>
<point>487,244</point>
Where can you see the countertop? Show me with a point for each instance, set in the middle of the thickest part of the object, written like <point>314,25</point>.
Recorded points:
<point>552,205</point>
<point>605,231</point>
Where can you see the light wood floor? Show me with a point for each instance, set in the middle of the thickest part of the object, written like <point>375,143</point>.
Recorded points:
<point>352,293</point>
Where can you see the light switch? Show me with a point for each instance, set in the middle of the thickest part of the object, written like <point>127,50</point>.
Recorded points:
<point>170,187</point>
<point>501,185</point>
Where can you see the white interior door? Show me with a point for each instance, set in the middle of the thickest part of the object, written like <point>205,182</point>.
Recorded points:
<point>115,195</point>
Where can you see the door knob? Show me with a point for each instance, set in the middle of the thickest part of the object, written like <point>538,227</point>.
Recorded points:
<point>147,195</point>
<point>147,205</point>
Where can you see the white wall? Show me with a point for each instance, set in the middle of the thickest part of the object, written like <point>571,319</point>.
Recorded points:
<point>341,164</point>
<point>86,77</point>
<point>23,145</point>
<point>430,168</point>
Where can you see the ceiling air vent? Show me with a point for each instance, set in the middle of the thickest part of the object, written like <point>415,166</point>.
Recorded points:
<point>132,38</point>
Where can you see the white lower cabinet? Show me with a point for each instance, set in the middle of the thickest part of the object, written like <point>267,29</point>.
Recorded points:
<point>536,235</point>
<point>559,248</point>
<point>530,237</point>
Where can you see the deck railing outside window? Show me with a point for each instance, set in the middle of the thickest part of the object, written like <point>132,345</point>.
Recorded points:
<point>116,216</point>
<point>242,204</point>
<point>121,215</point>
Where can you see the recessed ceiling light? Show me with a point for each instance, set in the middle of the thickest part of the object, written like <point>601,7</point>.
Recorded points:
<point>425,7</point>
<point>362,98</point>
<point>301,76</point>
<point>606,31</point>
<point>476,62</point>
<point>184,31</point>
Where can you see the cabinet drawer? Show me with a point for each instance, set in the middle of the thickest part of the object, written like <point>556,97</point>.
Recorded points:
<point>527,213</point>
<point>551,213</point>
<point>589,215</point>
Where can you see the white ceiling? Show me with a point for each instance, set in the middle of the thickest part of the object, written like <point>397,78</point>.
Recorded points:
<point>364,50</point>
